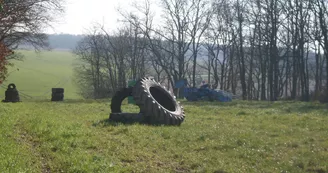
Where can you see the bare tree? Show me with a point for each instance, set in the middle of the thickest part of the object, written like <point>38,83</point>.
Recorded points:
<point>89,72</point>
<point>320,9</point>
<point>259,48</point>
<point>241,55</point>
<point>4,52</point>
<point>108,61</point>
<point>200,18</point>
<point>23,21</point>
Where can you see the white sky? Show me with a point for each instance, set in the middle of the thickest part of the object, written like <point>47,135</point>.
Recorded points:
<point>81,14</point>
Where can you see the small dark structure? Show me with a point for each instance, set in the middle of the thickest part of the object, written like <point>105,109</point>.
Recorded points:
<point>11,94</point>
<point>57,94</point>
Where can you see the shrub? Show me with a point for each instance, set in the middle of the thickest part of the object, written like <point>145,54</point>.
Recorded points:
<point>323,98</point>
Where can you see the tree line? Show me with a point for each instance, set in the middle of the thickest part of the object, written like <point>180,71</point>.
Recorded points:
<point>260,49</point>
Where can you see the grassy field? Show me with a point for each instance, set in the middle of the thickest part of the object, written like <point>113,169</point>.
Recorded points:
<point>74,136</point>
<point>37,135</point>
<point>39,72</point>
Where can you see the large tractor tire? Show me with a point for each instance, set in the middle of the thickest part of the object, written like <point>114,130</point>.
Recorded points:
<point>116,103</point>
<point>157,105</point>
<point>118,98</point>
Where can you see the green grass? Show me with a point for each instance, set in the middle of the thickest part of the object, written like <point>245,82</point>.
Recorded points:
<point>37,135</point>
<point>39,72</point>
<point>75,136</point>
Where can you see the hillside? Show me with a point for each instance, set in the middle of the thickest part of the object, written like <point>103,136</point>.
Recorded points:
<point>64,41</point>
<point>38,73</point>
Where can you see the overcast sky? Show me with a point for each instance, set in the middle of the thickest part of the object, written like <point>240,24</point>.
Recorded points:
<point>80,14</point>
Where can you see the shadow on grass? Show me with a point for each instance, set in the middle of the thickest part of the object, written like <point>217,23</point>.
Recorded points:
<point>284,106</point>
<point>304,108</point>
<point>107,122</point>
<point>69,101</point>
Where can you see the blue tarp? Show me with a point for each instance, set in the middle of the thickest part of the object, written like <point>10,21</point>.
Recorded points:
<point>194,94</point>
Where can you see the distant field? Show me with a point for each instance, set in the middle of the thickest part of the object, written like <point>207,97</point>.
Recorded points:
<point>39,72</point>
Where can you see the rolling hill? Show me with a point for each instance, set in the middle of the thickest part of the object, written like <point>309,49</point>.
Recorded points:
<point>39,72</point>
